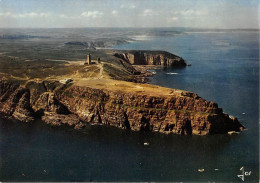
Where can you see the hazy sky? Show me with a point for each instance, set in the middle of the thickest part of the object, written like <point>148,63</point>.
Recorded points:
<point>130,13</point>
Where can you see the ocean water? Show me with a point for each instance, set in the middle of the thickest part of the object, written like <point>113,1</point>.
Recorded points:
<point>225,69</point>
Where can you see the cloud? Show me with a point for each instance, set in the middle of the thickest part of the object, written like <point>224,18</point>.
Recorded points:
<point>147,12</point>
<point>24,15</point>
<point>32,14</point>
<point>174,18</point>
<point>114,12</point>
<point>63,16</point>
<point>6,14</point>
<point>92,14</point>
<point>67,17</point>
<point>191,12</point>
<point>129,6</point>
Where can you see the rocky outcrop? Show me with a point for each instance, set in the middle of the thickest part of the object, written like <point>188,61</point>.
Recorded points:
<point>161,58</point>
<point>23,111</point>
<point>179,112</point>
<point>48,103</point>
<point>14,102</point>
<point>61,119</point>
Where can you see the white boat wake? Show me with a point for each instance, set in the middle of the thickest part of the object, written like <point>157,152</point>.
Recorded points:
<point>172,73</point>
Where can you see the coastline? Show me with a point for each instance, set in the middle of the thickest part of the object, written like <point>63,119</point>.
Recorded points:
<point>228,80</point>
<point>95,95</point>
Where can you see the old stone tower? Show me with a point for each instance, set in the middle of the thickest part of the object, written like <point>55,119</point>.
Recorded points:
<point>88,60</point>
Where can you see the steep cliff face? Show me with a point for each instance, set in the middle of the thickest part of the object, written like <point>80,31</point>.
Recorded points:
<point>179,112</point>
<point>151,58</point>
<point>15,102</point>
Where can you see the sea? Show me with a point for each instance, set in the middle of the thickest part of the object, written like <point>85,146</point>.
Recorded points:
<point>224,69</point>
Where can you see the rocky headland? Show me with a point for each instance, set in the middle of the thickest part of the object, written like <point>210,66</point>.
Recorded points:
<point>160,58</point>
<point>102,94</point>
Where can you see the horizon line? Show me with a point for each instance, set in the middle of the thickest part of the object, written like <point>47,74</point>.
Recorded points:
<point>128,28</point>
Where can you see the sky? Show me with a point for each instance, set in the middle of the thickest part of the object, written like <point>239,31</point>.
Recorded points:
<point>228,14</point>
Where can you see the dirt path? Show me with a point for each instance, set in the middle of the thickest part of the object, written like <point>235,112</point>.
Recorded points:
<point>101,71</point>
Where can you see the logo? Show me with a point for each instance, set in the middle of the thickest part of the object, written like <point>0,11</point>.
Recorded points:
<point>244,173</point>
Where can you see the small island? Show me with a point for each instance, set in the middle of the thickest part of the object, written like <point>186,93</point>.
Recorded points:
<point>108,88</point>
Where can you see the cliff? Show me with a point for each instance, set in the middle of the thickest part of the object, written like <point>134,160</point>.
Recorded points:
<point>171,111</point>
<point>161,58</point>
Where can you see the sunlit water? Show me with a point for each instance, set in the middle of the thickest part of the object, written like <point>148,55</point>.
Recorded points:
<point>224,69</point>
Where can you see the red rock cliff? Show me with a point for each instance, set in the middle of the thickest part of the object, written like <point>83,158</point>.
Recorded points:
<point>151,58</point>
<point>179,112</point>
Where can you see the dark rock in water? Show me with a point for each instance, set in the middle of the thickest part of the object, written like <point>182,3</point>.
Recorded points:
<point>61,119</point>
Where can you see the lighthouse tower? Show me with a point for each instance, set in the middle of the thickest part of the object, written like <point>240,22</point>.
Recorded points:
<point>88,60</point>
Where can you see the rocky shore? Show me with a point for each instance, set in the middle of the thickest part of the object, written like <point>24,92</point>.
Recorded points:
<point>173,111</point>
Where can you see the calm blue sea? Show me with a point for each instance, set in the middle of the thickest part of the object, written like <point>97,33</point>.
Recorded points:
<point>225,69</point>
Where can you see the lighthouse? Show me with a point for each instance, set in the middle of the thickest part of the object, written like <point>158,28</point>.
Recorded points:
<point>88,60</point>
